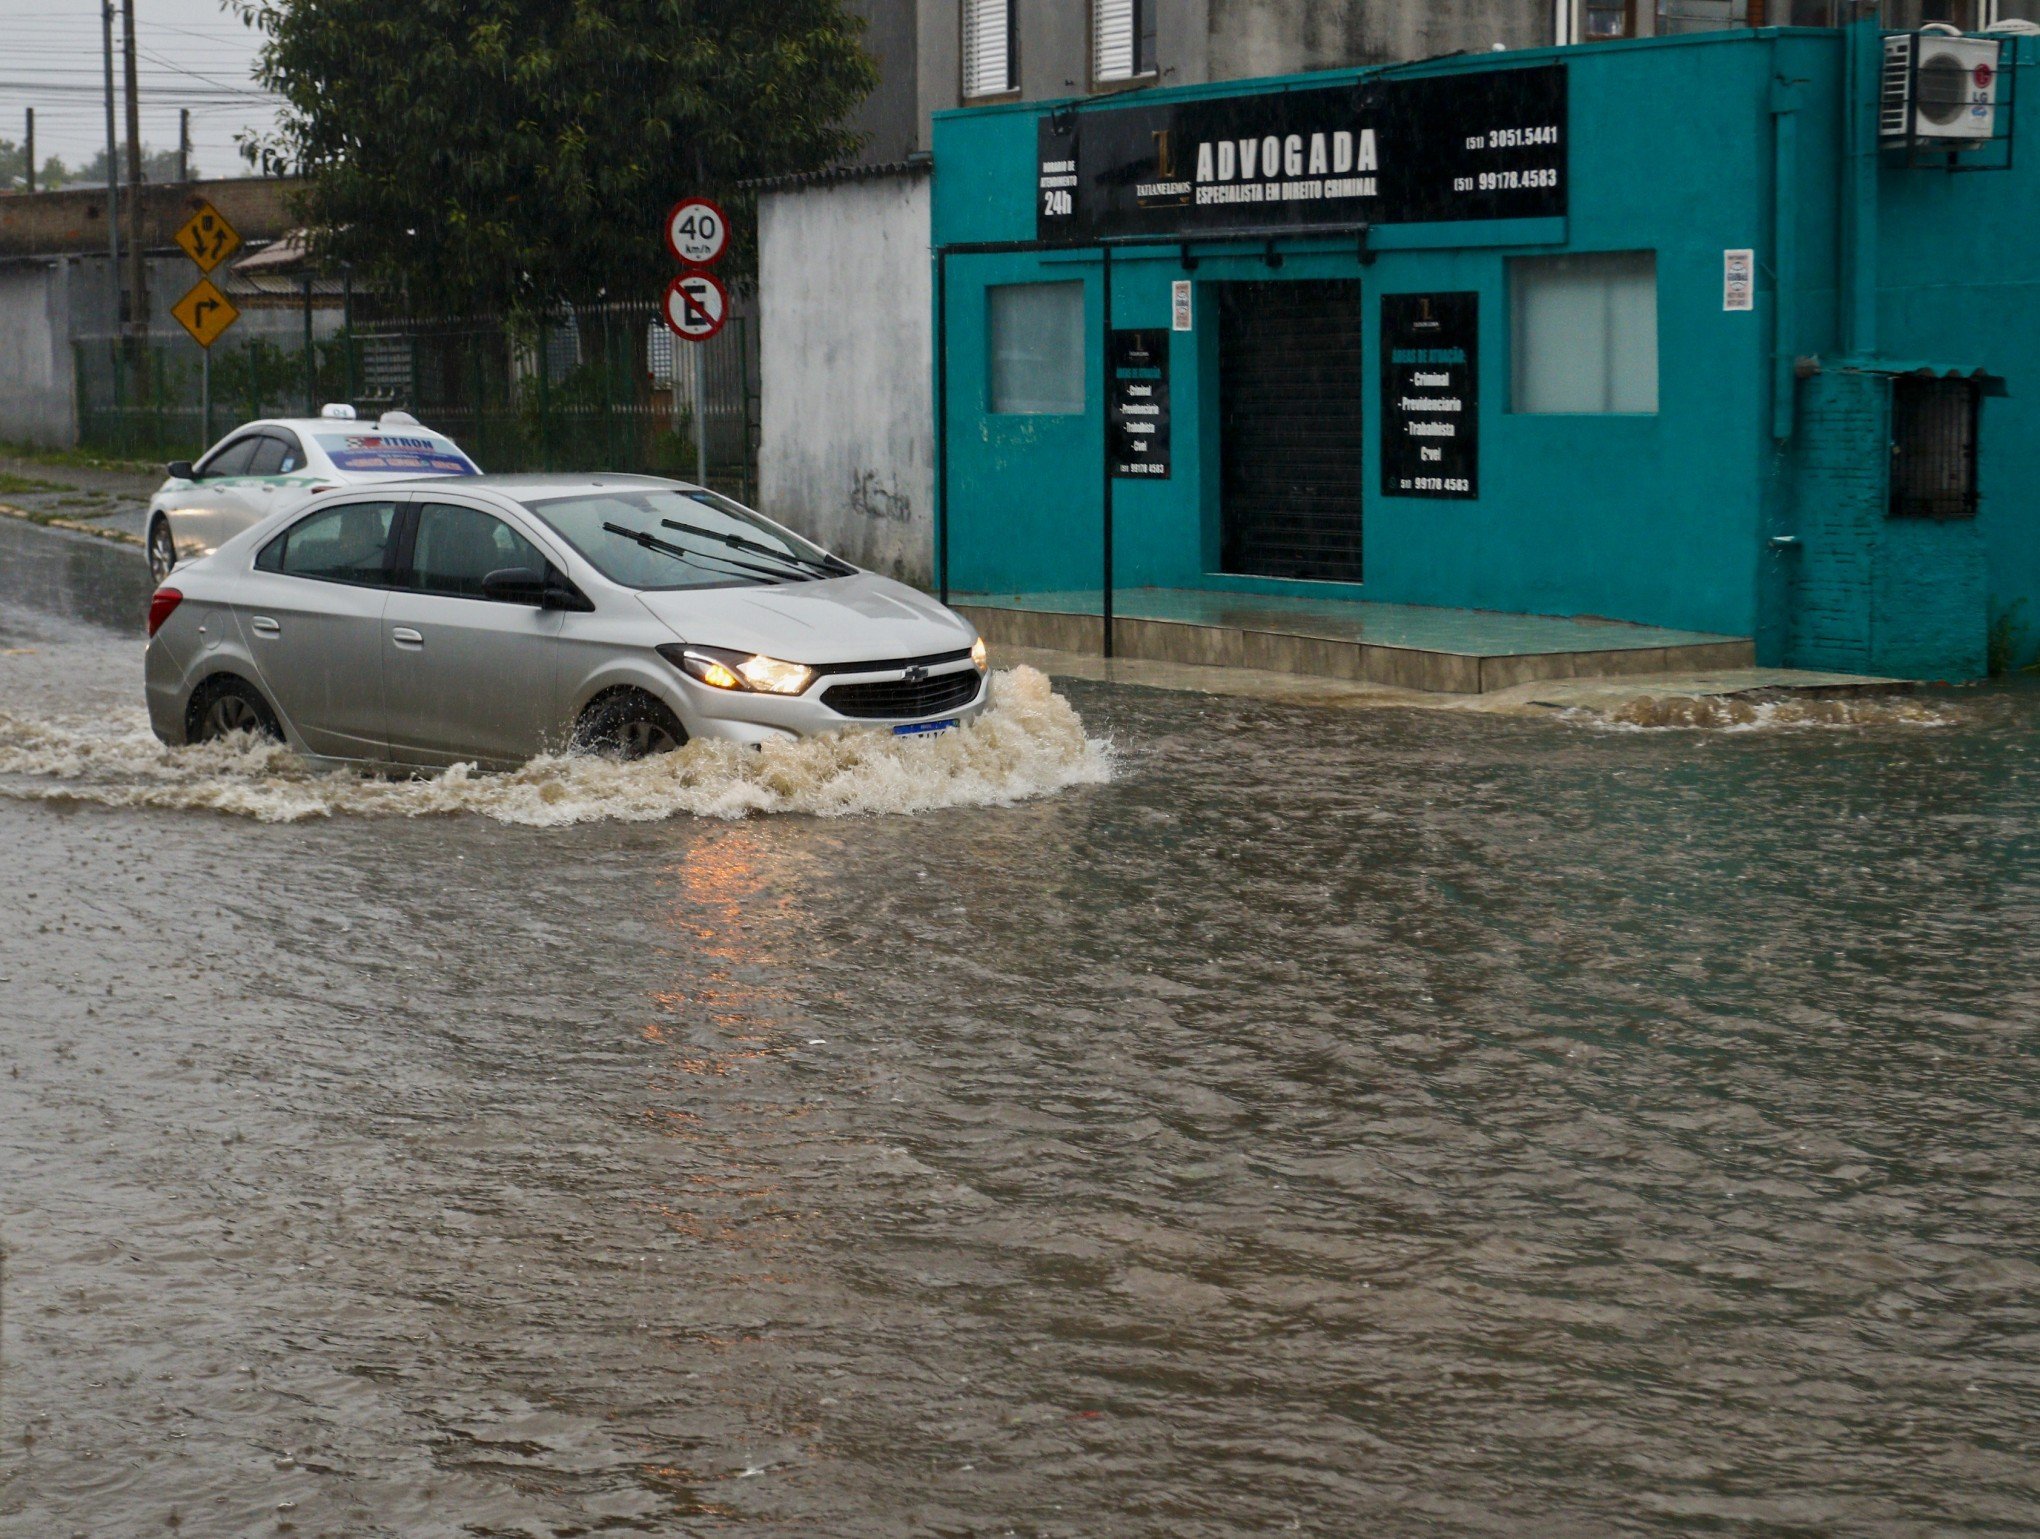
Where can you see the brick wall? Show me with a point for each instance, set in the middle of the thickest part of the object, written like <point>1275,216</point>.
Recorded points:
<point>1839,496</point>
<point>72,221</point>
<point>1871,593</point>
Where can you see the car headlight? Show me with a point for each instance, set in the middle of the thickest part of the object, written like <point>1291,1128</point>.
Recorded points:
<point>978,654</point>
<point>720,668</point>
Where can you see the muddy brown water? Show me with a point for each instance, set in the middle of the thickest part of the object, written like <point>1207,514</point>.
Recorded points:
<point>1378,1122</point>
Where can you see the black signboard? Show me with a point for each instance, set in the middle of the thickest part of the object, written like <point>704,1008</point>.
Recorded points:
<point>1430,395</point>
<point>1138,405</point>
<point>1488,144</point>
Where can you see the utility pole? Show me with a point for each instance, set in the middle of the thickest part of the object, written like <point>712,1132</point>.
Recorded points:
<point>183,144</point>
<point>138,272</point>
<point>112,170</point>
<point>28,150</point>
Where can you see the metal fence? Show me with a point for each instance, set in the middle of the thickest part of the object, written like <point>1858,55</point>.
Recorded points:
<point>600,387</point>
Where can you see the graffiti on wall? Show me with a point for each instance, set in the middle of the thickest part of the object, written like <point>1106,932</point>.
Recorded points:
<point>872,498</point>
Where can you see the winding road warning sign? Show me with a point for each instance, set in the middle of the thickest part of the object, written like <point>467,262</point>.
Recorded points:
<point>207,238</point>
<point>696,306</point>
<point>697,232</point>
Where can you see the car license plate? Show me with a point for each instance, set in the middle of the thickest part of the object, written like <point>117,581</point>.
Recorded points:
<point>923,728</point>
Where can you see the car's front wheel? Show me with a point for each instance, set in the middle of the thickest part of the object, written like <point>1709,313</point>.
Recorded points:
<point>629,724</point>
<point>162,549</point>
<point>225,705</point>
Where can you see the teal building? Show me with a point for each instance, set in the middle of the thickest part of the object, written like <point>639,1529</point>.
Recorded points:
<point>1736,333</point>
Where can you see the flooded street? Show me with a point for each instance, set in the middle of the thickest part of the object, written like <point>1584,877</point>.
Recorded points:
<point>1343,1122</point>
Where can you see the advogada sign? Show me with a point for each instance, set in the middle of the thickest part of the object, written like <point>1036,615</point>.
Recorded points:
<point>1485,145</point>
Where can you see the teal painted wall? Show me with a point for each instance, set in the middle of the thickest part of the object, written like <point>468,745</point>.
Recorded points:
<point>1686,148</point>
<point>1959,285</point>
<point>1875,594</point>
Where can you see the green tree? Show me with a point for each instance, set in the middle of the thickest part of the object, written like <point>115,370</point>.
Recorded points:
<point>50,175</point>
<point>515,155</point>
<point>157,166</point>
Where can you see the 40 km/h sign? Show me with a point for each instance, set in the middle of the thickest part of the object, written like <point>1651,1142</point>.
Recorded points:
<point>696,306</point>
<point>697,232</point>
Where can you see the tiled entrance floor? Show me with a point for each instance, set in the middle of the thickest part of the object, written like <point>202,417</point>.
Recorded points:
<point>1456,651</point>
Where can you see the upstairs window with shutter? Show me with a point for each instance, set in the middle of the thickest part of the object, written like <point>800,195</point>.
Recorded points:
<point>1122,40</point>
<point>988,48</point>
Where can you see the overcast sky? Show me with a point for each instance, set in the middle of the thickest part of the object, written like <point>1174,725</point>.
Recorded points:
<point>190,53</point>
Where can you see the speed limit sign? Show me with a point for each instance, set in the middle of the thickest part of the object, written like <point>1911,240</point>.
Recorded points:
<point>696,306</point>
<point>696,232</point>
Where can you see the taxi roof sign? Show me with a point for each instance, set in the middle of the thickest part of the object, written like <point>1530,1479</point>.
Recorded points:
<point>205,312</point>
<point>207,238</point>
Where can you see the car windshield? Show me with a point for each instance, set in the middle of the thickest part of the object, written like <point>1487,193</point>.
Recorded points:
<point>415,453</point>
<point>673,538</point>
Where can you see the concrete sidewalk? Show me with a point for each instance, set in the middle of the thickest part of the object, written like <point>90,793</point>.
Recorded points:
<point>1607,696</point>
<point>108,502</point>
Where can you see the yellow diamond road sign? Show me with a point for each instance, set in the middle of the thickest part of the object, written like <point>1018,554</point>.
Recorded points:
<point>207,238</point>
<point>205,312</point>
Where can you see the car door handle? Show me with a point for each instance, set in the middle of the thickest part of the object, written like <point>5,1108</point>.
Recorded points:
<point>404,636</point>
<point>264,626</point>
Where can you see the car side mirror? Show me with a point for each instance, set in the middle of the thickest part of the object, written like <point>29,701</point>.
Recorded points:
<point>561,594</point>
<point>515,585</point>
<point>180,470</point>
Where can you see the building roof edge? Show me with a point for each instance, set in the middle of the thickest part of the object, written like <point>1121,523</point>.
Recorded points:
<point>919,166</point>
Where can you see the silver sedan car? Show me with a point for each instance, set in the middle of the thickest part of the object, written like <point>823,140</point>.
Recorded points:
<point>427,623</point>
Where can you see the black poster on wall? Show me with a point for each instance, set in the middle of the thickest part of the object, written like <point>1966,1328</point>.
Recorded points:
<point>1138,405</point>
<point>1486,144</point>
<point>1430,395</point>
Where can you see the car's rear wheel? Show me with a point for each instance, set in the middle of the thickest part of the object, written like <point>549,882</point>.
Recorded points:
<point>227,705</point>
<point>162,549</point>
<point>629,724</point>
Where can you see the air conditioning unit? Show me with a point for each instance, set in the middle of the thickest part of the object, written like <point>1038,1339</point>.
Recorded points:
<point>1940,89</point>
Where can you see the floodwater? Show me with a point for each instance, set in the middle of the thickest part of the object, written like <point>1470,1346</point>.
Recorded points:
<point>1368,1122</point>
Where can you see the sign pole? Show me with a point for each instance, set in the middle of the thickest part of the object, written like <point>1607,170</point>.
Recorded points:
<point>205,398</point>
<point>112,176</point>
<point>1105,605</point>
<point>700,422</point>
<point>696,305</point>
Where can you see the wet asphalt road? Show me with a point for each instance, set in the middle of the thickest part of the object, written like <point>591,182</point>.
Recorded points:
<point>1379,1122</point>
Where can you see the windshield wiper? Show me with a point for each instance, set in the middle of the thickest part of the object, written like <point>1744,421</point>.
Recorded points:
<point>829,567</point>
<point>694,557</point>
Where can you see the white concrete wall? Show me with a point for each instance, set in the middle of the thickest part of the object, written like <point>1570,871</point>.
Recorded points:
<point>845,335</point>
<point>37,390</point>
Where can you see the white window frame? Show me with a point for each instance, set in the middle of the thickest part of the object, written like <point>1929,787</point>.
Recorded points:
<point>1608,263</point>
<point>987,72</point>
<point>1115,42</point>
<point>1073,404</point>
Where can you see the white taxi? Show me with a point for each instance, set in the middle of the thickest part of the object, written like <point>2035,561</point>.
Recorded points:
<point>263,467</point>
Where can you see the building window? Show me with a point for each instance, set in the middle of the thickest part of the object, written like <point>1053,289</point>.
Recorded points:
<point>1034,336</point>
<point>1603,21</point>
<point>1122,40</point>
<point>1590,21</point>
<point>1585,333</point>
<point>1933,447</point>
<point>988,52</point>
<point>1911,15</point>
<point>1680,16</point>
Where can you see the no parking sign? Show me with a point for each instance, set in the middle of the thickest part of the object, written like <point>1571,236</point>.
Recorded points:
<point>696,306</point>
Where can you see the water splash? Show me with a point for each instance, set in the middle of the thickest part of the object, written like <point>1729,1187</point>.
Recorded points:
<point>1030,743</point>
<point>1758,713</point>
